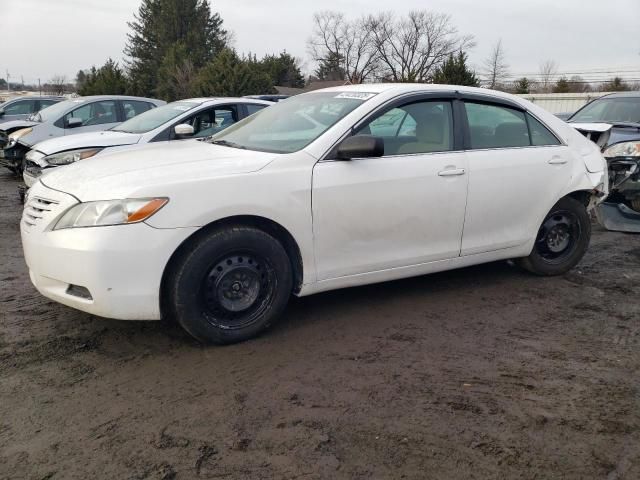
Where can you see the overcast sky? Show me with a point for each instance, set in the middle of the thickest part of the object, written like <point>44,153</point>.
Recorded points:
<point>40,38</point>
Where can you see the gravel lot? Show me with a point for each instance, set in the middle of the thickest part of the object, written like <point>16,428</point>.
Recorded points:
<point>484,373</point>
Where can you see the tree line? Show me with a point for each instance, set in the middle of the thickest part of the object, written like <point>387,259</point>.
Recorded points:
<point>180,48</point>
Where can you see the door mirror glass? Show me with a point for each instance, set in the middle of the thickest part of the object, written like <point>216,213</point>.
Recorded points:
<point>74,122</point>
<point>183,130</point>
<point>361,146</point>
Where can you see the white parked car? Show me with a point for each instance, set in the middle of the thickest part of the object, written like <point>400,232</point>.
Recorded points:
<point>190,118</point>
<point>402,180</point>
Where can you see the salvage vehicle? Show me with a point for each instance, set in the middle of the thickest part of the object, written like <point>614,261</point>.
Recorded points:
<point>613,122</point>
<point>217,235</point>
<point>78,115</point>
<point>191,118</point>
<point>21,108</point>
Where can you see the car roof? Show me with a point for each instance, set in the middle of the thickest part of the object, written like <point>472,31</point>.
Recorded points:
<point>413,87</point>
<point>622,95</point>
<point>215,100</point>
<point>36,97</point>
<point>93,98</point>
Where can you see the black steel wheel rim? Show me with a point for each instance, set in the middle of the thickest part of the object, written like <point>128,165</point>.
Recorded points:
<point>237,290</point>
<point>558,236</point>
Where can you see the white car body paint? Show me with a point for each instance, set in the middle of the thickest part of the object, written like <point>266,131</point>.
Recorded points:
<point>355,222</point>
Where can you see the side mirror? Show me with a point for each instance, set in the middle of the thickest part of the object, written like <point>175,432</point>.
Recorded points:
<point>183,130</point>
<point>360,146</point>
<point>74,122</point>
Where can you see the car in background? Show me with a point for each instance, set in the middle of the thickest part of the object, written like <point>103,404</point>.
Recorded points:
<point>21,108</point>
<point>564,115</point>
<point>190,118</point>
<point>613,122</point>
<point>268,97</point>
<point>78,115</point>
<point>400,180</point>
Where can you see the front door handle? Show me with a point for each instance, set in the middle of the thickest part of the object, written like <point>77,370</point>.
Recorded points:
<point>452,172</point>
<point>557,161</point>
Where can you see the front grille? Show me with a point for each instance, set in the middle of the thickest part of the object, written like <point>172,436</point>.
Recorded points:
<point>36,209</point>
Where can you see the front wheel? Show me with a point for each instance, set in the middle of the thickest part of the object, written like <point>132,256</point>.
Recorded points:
<point>230,285</point>
<point>562,240</point>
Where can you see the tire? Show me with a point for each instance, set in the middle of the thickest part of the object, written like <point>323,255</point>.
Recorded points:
<point>562,240</point>
<point>229,285</point>
<point>635,204</point>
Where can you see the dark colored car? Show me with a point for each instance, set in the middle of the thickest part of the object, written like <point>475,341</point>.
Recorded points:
<point>613,122</point>
<point>268,98</point>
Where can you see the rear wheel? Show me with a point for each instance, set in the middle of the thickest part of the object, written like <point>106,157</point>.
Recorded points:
<point>562,240</point>
<point>230,285</point>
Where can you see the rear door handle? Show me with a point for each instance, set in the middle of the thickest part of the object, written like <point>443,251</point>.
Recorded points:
<point>557,161</point>
<point>452,172</point>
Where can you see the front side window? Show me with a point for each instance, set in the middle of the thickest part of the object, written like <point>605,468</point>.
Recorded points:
<point>23,107</point>
<point>293,124</point>
<point>253,108</point>
<point>154,118</point>
<point>213,120</point>
<point>421,127</point>
<point>493,126</point>
<point>96,113</point>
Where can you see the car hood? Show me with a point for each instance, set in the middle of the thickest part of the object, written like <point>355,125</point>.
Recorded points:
<point>607,134</point>
<point>148,169</point>
<point>14,124</point>
<point>106,138</point>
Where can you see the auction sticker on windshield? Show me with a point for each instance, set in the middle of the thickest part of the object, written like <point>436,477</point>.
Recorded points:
<point>356,95</point>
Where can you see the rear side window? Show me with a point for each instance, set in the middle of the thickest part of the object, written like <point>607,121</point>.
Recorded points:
<point>540,135</point>
<point>133,107</point>
<point>493,126</point>
<point>46,103</point>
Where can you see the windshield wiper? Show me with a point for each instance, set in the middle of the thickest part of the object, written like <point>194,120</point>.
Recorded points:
<point>227,143</point>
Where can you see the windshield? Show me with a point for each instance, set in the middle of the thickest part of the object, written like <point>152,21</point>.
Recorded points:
<point>151,119</point>
<point>52,113</point>
<point>292,124</point>
<point>610,110</point>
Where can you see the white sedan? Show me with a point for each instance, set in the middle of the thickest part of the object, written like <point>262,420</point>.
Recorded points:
<point>401,180</point>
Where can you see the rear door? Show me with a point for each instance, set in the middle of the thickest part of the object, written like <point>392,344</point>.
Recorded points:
<point>516,167</point>
<point>405,208</point>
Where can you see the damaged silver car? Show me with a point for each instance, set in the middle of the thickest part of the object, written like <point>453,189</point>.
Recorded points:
<point>613,122</point>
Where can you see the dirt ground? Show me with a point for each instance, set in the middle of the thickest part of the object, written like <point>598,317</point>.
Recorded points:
<point>485,373</point>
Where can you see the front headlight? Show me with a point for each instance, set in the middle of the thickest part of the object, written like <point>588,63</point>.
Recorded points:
<point>15,136</point>
<point>110,212</point>
<point>65,158</point>
<point>625,149</point>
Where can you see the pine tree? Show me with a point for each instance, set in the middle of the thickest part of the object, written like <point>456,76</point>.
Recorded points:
<point>330,68</point>
<point>522,86</point>
<point>454,71</point>
<point>106,80</point>
<point>156,30</point>
<point>231,76</point>
<point>562,86</point>
<point>283,70</point>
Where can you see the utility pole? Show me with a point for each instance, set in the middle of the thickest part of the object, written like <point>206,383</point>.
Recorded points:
<point>39,88</point>
<point>22,81</point>
<point>8,82</point>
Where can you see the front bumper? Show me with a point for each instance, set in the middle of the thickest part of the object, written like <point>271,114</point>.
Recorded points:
<point>121,267</point>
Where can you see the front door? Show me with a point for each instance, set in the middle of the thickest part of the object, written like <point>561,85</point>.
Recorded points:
<point>402,209</point>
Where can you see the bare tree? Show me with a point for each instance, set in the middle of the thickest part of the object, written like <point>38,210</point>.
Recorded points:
<point>349,43</point>
<point>58,84</point>
<point>547,71</point>
<point>410,48</point>
<point>496,69</point>
<point>184,76</point>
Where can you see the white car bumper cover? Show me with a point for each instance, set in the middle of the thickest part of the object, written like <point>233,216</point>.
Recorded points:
<point>120,266</point>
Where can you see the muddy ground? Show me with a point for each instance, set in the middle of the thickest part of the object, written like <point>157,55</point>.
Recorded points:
<point>486,372</point>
